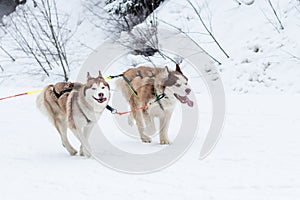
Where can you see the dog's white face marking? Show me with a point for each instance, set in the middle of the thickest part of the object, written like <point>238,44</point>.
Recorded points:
<point>181,90</point>
<point>98,93</point>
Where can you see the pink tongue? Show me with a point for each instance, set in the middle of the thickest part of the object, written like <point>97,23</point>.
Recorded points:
<point>189,102</point>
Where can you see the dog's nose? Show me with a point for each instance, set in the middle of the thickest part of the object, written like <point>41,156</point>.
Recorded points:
<point>101,94</point>
<point>188,90</point>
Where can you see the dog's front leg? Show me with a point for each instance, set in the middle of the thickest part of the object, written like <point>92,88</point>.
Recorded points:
<point>80,136</point>
<point>141,126</point>
<point>85,150</point>
<point>164,126</point>
<point>149,123</point>
<point>61,126</point>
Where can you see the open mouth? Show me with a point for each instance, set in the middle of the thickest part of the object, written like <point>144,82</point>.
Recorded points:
<point>101,99</point>
<point>184,100</point>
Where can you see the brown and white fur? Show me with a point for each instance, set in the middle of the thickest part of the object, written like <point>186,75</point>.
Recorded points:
<point>77,110</point>
<point>147,80</point>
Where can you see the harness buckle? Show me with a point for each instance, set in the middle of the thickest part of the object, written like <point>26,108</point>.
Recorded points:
<point>114,111</point>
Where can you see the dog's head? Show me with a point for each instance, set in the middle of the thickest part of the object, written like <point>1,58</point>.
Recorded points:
<point>97,90</point>
<point>177,83</point>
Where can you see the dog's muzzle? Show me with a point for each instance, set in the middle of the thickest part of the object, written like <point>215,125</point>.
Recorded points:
<point>184,100</point>
<point>101,98</point>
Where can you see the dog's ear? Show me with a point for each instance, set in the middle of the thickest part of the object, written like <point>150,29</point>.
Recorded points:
<point>88,76</point>
<point>178,68</point>
<point>100,74</point>
<point>167,70</point>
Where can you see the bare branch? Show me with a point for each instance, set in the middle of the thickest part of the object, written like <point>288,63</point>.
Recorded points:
<point>24,44</point>
<point>196,43</point>
<point>292,55</point>
<point>204,25</point>
<point>270,21</point>
<point>7,53</point>
<point>275,13</point>
<point>42,33</point>
<point>239,3</point>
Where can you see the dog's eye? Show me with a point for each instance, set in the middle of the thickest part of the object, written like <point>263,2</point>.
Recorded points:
<point>185,84</point>
<point>103,87</point>
<point>177,85</point>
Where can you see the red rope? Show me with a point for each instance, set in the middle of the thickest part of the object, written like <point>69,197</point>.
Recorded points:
<point>134,110</point>
<point>17,95</point>
<point>21,94</point>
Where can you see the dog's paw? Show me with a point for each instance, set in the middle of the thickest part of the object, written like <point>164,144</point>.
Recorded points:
<point>73,152</point>
<point>81,153</point>
<point>146,139</point>
<point>87,154</point>
<point>84,152</point>
<point>164,141</point>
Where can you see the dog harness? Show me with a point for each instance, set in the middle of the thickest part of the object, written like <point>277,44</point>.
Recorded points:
<point>59,94</point>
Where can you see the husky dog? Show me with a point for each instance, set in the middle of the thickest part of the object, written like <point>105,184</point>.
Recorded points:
<point>77,106</point>
<point>160,89</point>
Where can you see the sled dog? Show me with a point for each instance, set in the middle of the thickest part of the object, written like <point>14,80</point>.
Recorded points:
<point>160,89</point>
<point>75,106</point>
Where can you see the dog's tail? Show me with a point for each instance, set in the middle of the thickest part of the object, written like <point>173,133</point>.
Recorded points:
<point>40,100</point>
<point>47,104</point>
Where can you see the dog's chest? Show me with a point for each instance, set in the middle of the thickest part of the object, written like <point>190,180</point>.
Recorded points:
<point>162,106</point>
<point>85,114</point>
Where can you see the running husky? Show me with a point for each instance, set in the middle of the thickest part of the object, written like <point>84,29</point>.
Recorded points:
<point>75,105</point>
<point>160,89</point>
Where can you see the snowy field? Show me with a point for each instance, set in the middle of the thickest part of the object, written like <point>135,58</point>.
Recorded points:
<point>257,157</point>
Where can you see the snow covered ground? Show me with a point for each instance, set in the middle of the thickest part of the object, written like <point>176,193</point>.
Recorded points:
<point>258,156</point>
